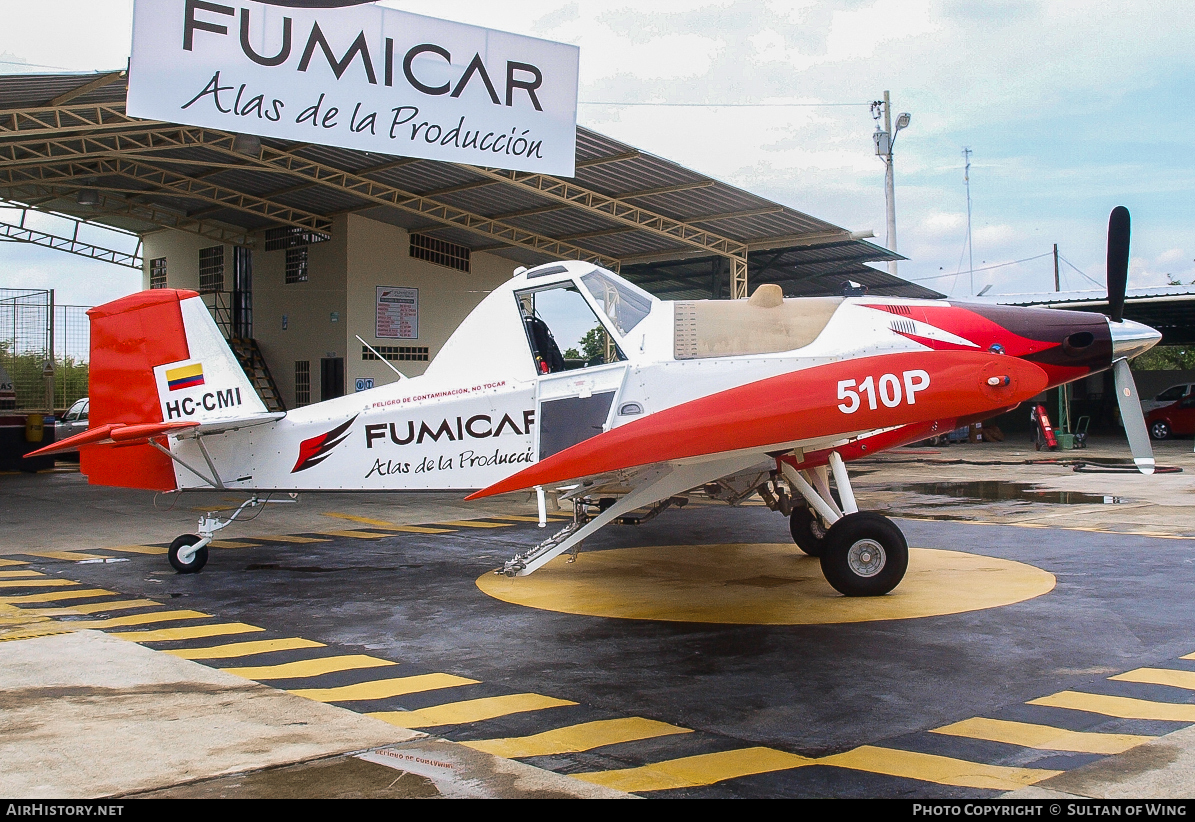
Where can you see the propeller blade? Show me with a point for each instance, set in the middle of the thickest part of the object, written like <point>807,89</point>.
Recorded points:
<point>1134,419</point>
<point>1118,261</point>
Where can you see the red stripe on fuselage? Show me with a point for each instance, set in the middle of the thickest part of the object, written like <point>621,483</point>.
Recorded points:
<point>798,405</point>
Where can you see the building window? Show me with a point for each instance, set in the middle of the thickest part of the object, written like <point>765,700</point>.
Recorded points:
<point>157,273</point>
<point>296,264</point>
<point>397,353</point>
<point>440,252</point>
<point>302,383</point>
<point>292,236</point>
<point>211,269</point>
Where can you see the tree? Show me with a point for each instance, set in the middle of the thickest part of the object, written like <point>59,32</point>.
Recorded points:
<point>1166,358</point>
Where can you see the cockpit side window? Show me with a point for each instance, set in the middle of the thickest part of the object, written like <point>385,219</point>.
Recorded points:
<point>559,315</point>
<point>623,304</point>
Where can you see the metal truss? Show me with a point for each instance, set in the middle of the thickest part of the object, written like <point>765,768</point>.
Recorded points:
<point>49,135</point>
<point>114,206</point>
<point>18,232</point>
<point>630,215</point>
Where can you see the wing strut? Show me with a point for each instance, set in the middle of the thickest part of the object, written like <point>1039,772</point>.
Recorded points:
<point>660,483</point>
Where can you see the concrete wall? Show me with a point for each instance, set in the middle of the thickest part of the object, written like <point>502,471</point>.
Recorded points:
<point>379,255</point>
<point>315,310</point>
<point>181,251</point>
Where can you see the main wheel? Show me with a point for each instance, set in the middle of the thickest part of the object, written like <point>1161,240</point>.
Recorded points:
<point>198,560</point>
<point>865,555</point>
<point>808,533</point>
<point>1160,430</point>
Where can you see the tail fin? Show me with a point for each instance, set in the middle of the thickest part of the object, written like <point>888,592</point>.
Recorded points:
<point>157,356</point>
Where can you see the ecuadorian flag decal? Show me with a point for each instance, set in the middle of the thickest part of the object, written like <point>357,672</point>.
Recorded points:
<point>187,376</point>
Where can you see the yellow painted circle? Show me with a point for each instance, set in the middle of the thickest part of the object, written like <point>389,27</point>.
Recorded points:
<point>760,584</point>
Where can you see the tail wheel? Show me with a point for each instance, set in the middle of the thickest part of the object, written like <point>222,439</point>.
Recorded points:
<point>198,559</point>
<point>1159,430</point>
<point>865,555</point>
<point>807,531</point>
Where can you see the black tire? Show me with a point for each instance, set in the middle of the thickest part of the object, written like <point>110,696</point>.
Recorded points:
<point>807,531</point>
<point>850,561</point>
<point>1159,429</point>
<point>197,561</point>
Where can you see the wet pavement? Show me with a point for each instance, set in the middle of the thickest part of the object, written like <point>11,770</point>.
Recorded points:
<point>1044,693</point>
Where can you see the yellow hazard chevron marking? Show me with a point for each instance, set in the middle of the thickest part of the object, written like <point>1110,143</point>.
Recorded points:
<point>695,771</point>
<point>311,667</point>
<point>4,563</point>
<point>1122,707</point>
<point>465,523</point>
<point>138,619</point>
<point>57,596</point>
<point>232,543</point>
<point>390,526</point>
<point>235,650</point>
<point>1159,676</point>
<point>193,632</point>
<point>104,607</point>
<point>1042,737</point>
<point>471,710</point>
<point>355,534</point>
<point>385,688</point>
<point>70,556</point>
<point>292,539</point>
<point>576,738</point>
<point>44,582</point>
<point>18,574</point>
<point>708,769</point>
<point>136,549</point>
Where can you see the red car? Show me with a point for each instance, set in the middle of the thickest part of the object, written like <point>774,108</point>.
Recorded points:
<point>1176,418</point>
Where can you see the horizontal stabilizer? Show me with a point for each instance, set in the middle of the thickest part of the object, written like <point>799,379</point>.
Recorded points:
<point>114,434</point>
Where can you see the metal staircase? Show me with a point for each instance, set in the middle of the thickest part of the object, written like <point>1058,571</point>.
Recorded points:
<point>254,365</point>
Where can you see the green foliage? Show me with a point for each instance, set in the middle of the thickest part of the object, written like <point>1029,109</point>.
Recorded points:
<point>70,378</point>
<point>1166,358</point>
<point>572,354</point>
<point>593,344</point>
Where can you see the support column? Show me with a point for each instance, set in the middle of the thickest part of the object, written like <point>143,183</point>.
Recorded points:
<point>738,278</point>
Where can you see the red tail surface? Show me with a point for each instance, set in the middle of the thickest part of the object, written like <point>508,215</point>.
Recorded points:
<point>129,338</point>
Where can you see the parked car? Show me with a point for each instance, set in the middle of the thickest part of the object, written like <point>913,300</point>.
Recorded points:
<point>1175,418</point>
<point>74,421</point>
<point>1172,394</point>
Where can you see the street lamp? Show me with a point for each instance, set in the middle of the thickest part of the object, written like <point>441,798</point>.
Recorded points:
<point>884,140</point>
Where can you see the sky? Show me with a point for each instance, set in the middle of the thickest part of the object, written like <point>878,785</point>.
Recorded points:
<point>1069,109</point>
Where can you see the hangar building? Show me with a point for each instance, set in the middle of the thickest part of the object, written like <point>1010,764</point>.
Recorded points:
<point>300,249</point>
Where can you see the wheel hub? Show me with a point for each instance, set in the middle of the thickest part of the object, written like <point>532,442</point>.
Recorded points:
<point>866,558</point>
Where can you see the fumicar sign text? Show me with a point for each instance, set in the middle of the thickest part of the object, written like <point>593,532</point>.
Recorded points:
<point>361,77</point>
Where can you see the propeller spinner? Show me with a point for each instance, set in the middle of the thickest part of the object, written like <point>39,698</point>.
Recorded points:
<point>1128,340</point>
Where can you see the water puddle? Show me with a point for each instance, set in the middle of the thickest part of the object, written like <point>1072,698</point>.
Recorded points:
<point>994,490</point>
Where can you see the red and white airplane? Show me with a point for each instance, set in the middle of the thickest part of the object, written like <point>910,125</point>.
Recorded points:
<point>767,395</point>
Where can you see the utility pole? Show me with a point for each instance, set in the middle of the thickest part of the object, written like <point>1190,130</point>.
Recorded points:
<point>970,251</point>
<point>884,141</point>
<point>1057,282</point>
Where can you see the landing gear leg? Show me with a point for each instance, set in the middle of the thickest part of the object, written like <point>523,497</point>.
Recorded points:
<point>188,553</point>
<point>862,553</point>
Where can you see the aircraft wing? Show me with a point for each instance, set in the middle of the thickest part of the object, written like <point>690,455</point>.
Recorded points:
<point>836,399</point>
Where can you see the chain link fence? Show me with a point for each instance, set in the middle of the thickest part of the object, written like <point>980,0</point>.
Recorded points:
<point>34,333</point>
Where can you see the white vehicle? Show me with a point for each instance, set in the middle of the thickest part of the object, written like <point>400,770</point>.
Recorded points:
<point>767,395</point>
<point>1172,394</point>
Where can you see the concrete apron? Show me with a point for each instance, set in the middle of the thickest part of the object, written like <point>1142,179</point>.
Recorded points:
<point>88,715</point>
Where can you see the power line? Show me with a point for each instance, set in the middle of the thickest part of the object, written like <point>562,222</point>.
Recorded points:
<point>1081,271</point>
<point>990,267</point>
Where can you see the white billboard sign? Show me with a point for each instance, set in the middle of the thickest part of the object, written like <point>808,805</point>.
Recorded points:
<point>361,77</point>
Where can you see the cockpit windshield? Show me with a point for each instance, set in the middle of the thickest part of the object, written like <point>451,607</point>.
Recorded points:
<point>624,304</point>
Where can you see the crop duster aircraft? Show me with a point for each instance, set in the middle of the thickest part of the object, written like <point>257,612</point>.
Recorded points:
<point>767,395</point>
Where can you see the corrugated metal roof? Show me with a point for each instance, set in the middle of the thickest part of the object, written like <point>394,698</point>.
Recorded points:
<point>605,166</point>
